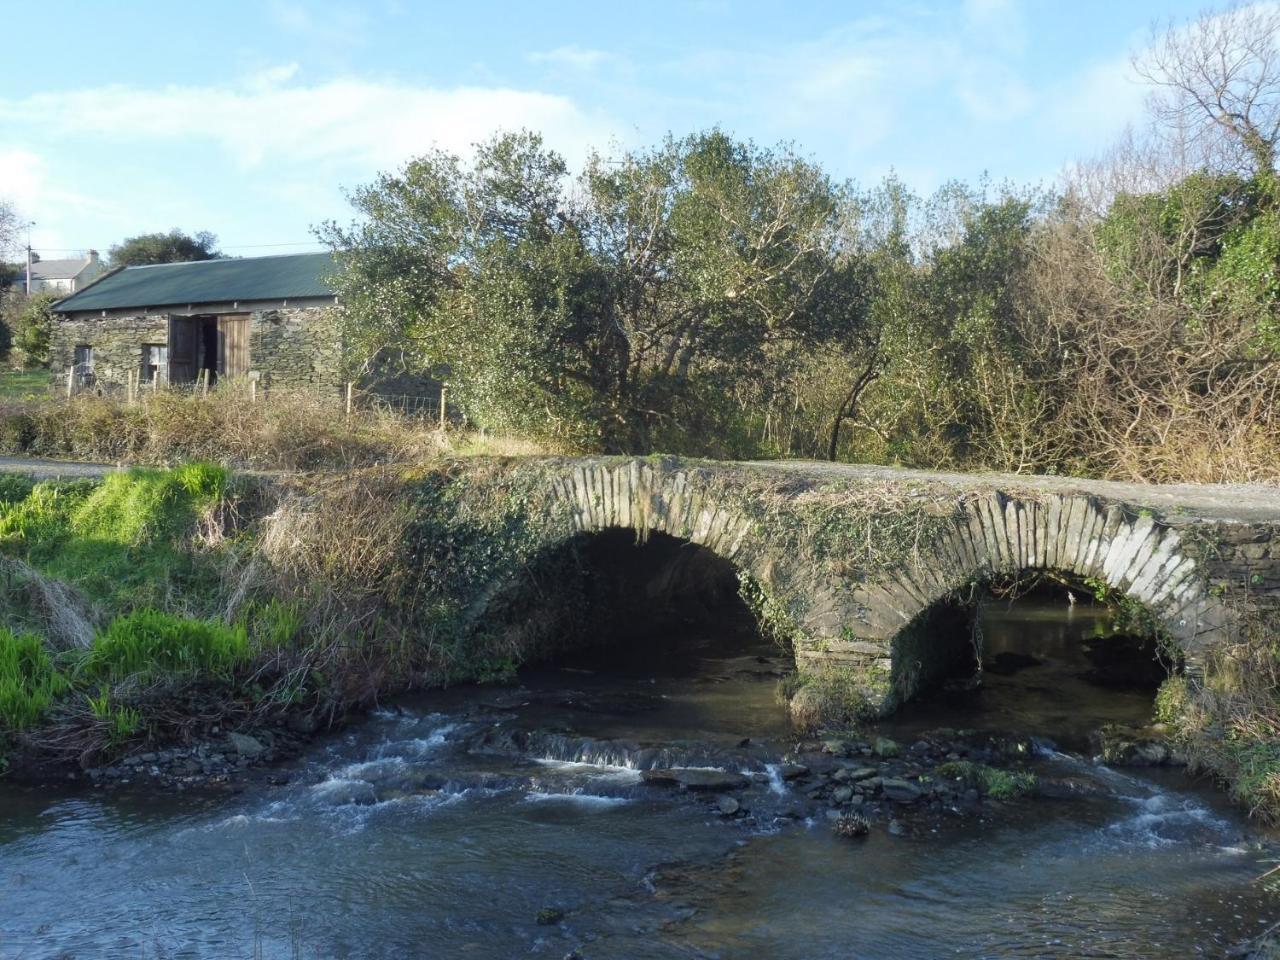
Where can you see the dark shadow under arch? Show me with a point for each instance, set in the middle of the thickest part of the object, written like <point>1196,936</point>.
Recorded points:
<point>610,589</point>
<point>1111,649</point>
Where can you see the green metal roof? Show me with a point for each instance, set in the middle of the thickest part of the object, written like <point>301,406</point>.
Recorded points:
<point>287,277</point>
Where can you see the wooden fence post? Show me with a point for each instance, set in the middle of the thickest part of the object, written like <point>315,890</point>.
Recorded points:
<point>71,380</point>
<point>351,387</point>
<point>444,405</point>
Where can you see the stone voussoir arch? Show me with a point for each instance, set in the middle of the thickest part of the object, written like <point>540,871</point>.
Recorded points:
<point>689,503</point>
<point>999,536</point>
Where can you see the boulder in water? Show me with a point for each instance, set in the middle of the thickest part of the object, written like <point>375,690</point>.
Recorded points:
<point>851,827</point>
<point>884,747</point>
<point>246,745</point>
<point>728,806</point>
<point>901,791</point>
<point>696,778</point>
<point>1128,747</point>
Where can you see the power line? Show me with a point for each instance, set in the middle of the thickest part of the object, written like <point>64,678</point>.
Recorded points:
<point>237,246</point>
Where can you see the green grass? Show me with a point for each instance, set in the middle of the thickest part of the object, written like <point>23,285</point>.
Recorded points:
<point>148,644</point>
<point>991,782</point>
<point>123,540</point>
<point>29,682</point>
<point>23,384</point>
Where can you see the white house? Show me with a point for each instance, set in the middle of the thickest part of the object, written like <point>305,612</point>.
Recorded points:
<point>64,276</point>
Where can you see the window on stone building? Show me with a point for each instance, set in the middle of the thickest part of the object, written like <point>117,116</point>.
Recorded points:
<point>84,364</point>
<point>155,361</point>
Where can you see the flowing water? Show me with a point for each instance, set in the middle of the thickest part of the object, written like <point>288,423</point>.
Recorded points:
<point>441,827</point>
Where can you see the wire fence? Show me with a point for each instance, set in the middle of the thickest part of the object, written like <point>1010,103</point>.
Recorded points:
<point>432,407</point>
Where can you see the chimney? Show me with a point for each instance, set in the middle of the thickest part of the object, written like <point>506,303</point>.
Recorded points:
<point>93,256</point>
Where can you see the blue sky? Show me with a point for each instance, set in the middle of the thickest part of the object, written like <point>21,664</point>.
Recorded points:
<point>248,119</point>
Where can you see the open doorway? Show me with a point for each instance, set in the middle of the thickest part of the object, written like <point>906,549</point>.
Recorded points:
<point>208,347</point>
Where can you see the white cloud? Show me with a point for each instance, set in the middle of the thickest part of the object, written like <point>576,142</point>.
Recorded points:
<point>349,123</point>
<point>26,182</point>
<point>573,57</point>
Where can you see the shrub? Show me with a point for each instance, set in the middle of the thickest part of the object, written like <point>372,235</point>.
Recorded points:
<point>997,784</point>
<point>830,697</point>
<point>28,680</point>
<point>150,645</point>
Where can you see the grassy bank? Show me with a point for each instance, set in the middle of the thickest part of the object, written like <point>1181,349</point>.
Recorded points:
<point>1229,725</point>
<point>155,605</point>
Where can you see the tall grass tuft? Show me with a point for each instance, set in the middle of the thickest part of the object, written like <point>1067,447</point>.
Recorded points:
<point>28,680</point>
<point>124,540</point>
<point>147,505</point>
<point>150,645</point>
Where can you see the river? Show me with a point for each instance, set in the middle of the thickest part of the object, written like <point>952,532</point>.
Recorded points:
<point>451,824</point>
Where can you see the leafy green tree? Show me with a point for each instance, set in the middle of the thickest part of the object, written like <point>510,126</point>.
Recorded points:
<point>29,321</point>
<point>616,315</point>
<point>172,247</point>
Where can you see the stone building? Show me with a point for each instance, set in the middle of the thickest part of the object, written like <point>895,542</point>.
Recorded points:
<point>272,319</point>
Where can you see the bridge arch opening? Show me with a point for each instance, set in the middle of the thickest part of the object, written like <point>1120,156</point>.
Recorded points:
<point>647,639</point>
<point>1041,654</point>
<point>633,604</point>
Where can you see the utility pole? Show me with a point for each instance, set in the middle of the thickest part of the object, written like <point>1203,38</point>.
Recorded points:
<point>30,224</point>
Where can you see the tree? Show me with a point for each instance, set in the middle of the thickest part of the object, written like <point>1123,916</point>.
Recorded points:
<point>29,322</point>
<point>618,315</point>
<point>172,247</point>
<point>1220,77</point>
<point>9,225</point>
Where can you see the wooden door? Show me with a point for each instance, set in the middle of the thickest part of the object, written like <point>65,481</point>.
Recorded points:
<point>184,338</point>
<point>233,345</point>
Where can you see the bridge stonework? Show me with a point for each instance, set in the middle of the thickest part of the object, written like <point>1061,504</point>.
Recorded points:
<point>1195,557</point>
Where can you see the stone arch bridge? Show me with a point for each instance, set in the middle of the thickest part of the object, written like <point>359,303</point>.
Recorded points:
<point>850,560</point>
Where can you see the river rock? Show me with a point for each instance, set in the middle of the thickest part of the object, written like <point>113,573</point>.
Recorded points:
<point>696,778</point>
<point>860,773</point>
<point>1067,788</point>
<point>819,763</point>
<point>728,806</point>
<point>246,745</point>
<point>884,747</point>
<point>1125,747</point>
<point>842,794</point>
<point>901,791</point>
<point>790,771</point>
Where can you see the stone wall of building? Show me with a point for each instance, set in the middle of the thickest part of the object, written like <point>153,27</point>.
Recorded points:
<point>117,344</point>
<point>289,348</point>
<point>297,348</point>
